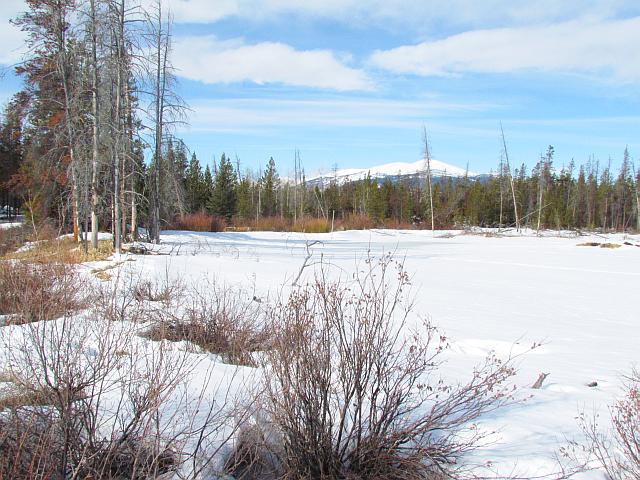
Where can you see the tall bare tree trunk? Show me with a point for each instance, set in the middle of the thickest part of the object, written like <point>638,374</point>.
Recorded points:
<point>636,177</point>
<point>133,173</point>
<point>161,65</point>
<point>427,157</point>
<point>95,110</point>
<point>501,192</point>
<point>117,220</point>
<point>513,190</point>
<point>540,191</point>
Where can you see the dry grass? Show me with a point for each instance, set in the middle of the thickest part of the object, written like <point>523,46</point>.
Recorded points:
<point>312,225</point>
<point>218,320</point>
<point>356,222</point>
<point>34,292</point>
<point>18,397</point>
<point>601,245</point>
<point>199,222</point>
<point>13,238</point>
<point>63,250</point>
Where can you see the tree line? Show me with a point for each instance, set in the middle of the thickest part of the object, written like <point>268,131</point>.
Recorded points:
<point>589,196</point>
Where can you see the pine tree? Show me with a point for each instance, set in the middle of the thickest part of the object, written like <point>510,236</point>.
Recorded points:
<point>223,197</point>
<point>245,208</point>
<point>269,184</point>
<point>194,185</point>
<point>207,184</point>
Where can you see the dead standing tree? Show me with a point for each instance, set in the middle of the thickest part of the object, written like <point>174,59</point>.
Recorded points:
<point>167,108</point>
<point>95,114</point>
<point>508,168</point>
<point>427,159</point>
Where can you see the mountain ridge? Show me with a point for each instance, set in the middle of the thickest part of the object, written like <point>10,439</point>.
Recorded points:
<point>392,170</point>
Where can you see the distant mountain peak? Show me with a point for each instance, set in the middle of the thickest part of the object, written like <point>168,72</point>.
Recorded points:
<point>394,170</point>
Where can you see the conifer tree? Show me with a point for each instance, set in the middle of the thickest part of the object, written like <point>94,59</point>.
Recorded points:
<point>194,185</point>
<point>223,196</point>
<point>269,183</point>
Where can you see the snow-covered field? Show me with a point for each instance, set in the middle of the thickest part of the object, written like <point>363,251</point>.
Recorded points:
<point>486,292</point>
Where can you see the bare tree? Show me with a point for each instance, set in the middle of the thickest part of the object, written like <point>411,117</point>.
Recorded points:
<point>167,107</point>
<point>95,116</point>
<point>636,179</point>
<point>427,158</point>
<point>508,168</point>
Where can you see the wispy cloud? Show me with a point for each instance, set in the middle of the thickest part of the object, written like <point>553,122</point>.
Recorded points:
<point>208,60</point>
<point>406,13</point>
<point>254,115</point>
<point>607,48</point>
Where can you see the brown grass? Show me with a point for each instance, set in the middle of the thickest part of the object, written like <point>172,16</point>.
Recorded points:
<point>601,245</point>
<point>199,222</point>
<point>357,222</point>
<point>34,292</point>
<point>13,238</point>
<point>312,225</point>
<point>63,250</point>
<point>19,397</point>
<point>308,224</point>
<point>219,320</point>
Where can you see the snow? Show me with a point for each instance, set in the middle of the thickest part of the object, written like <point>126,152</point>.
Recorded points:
<point>7,225</point>
<point>487,292</point>
<point>438,169</point>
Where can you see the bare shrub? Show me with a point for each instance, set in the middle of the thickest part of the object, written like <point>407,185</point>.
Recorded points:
<point>13,238</point>
<point>115,406</point>
<point>351,393</point>
<point>199,222</point>
<point>357,222</point>
<point>151,291</point>
<point>219,320</point>
<point>616,451</point>
<point>312,225</point>
<point>29,446</point>
<point>31,292</point>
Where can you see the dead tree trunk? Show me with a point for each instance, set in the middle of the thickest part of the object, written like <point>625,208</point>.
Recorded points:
<point>427,157</point>
<point>95,111</point>
<point>117,214</point>
<point>161,45</point>
<point>513,190</point>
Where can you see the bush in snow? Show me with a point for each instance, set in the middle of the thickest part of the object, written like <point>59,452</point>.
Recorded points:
<point>218,319</point>
<point>33,292</point>
<point>350,393</point>
<point>617,451</point>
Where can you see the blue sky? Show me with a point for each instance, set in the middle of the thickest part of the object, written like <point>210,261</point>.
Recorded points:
<point>352,82</point>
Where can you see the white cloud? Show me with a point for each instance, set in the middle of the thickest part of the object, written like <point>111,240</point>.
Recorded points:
<point>207,60</point>
<point>404,13</point>
<point>584,46</point>
<point>260,115</point>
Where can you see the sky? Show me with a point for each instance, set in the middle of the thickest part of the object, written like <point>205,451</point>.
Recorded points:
<point>352,83</point>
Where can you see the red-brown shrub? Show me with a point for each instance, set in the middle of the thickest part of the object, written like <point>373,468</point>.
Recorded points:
<point>199,222</point>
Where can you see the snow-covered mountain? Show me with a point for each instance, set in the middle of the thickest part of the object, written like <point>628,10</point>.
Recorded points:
<point>393,170</point>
